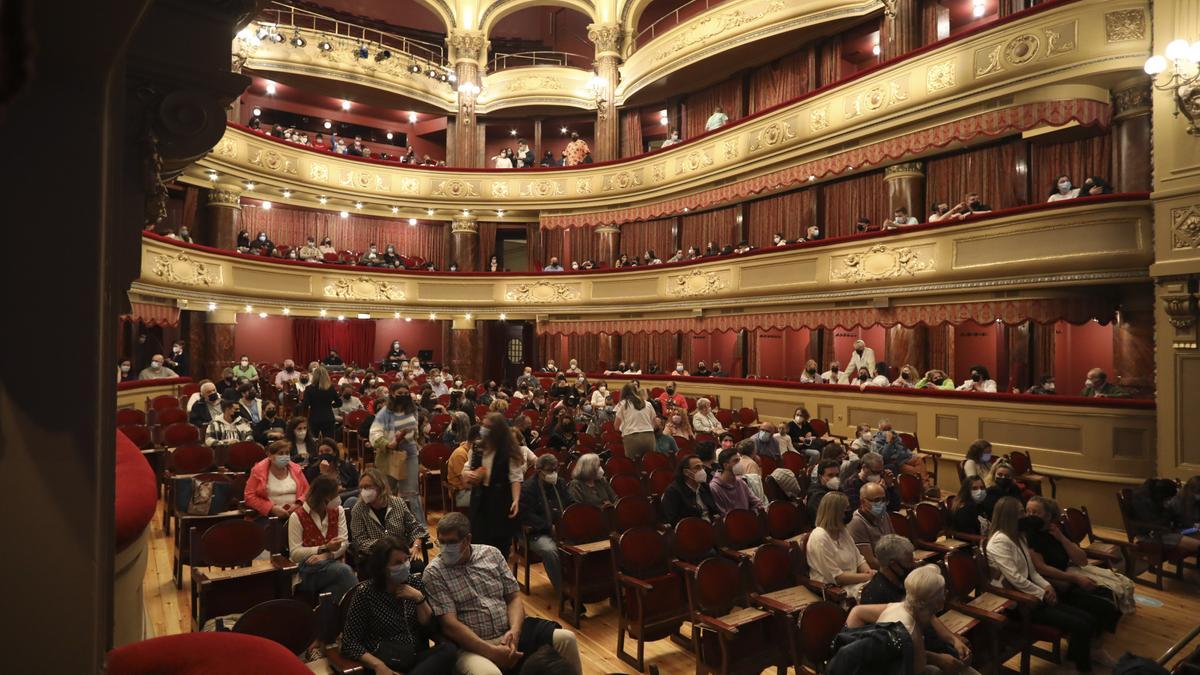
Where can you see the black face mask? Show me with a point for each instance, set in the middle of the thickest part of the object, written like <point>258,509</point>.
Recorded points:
<point>214,397</point>
<point>833,369</point>
<point>270,413</point>
<point>862,377</point>
<point>1030,524</point>
<point>671,391</point>
<point>812,371</point>
<point>1002,482</point>
<point>403,400</point>
<point>290,369</point>
<point>907,376</point>
<point>976,377</point>
<point>346,397</point>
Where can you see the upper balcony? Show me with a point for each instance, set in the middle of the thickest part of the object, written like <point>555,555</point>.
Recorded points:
<point>1046,68</point>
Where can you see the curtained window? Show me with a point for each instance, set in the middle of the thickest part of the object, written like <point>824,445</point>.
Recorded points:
<point>654,235</point>
<point>700,105</point>
<point>645,348</point>
<point>1078,158</point>
<point>574,244</point>
<point>353,338</point>
<point>846,200</point>
<point>631,133</point>
<point>782,80</point>
<point>487,245</point>
<point>997,172</point>
<point>719,226</point>
<point>787,213</point>
<point>290,227</point>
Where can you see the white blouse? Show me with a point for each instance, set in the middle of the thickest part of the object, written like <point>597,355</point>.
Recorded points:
<point>828,557</point>
<point>281,491</point>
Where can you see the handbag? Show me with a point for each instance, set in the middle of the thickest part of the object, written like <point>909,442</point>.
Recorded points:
<point>1120,585</point>
<point>399,655</point>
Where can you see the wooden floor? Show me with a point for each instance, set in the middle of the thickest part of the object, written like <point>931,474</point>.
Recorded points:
<point>1161,619</point>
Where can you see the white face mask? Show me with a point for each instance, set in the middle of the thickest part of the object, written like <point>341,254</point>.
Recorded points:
<point>245,363</point>
<point>764,436</point>
<point>156,364</point>
<point>978,495</point>
<point>799,419</point>
<point>1064,186</point>
<point>834,483</point>
<point>873,478</point>
<point>699,475</point>
<point>551,477</point>
<point>679,369</point>
<point>866,435</point>
<point>368,495</point>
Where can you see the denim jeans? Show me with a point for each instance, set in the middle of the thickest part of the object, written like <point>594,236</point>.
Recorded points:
<point>547,549</point>
<point>327,576</point>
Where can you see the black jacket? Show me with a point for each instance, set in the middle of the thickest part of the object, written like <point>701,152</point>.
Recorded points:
<point>537,498</point>
<point>198,415</point>
<point>264,426</point>
<point>678,503</point>
<point>877,649</point>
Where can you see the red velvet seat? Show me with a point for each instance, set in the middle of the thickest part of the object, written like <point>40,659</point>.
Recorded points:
<point>205,654</point>
<point>136,493</point>
<point>130,416</point>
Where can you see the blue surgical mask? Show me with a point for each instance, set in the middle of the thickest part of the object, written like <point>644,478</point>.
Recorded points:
<point>484,432</point>
<point>399,573</point>
<point>281,460</point>
<point>986,457</point>
<point>451,553</point>
<point>764,436</point>
<point>877,508</point>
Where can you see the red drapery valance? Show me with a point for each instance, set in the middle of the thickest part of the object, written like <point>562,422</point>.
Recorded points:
<point>152,315</point>
<point>992,123</point>
<point>353,338</point>
<point>1012,312</point>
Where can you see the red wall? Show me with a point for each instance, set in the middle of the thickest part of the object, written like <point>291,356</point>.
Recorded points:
<point>413,335</point>
<point>270,339</point>
<point>1078,349</point>
<point>977,345</point>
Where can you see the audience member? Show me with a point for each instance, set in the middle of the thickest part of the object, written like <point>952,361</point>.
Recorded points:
<point>495,470</point>
<point>301,444</point>
<point>635,420</point>
<point>286,379</point>
<point>670,399</point>
<point>378,514</point>
<point>898,458</point>
<point>935,379</point>
<point>970,514</point>
<point>704,421</point>
<point>978,460</point>
<point>728,492</point>
<point>394,437</point>
<point>1098,386</point>
<point>827,481</point>
<point>835,374</point>
<point>832,555</point>
<point>228,428</point>
<point>716,120</point>
<point>1154,520</point>
<point>689,494</point>
<point>863,357</point>
<point>980,381</point>
<point>870,521</point>
<point>317,541</point>
<point>900,218</point>
<point>543,500</point>
<point>156,370</point>
<point>1001,484</point>
<point>207,407</point>
<point>672,139</point>
<point>677,424</point>
<point>276,485</point>
<point>871,472</point>
<point>587,484</point>
<point>576,150</point>
<point>664,443</point>
<point>1063,189</point>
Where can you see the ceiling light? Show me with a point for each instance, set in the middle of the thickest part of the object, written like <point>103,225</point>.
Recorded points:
<point>412,221</point>
<point>414,68</point>
<point>978,8</point>
<point>396,315</point>
<point>408,318</point>
<point>249,309</point>
<point>358,205</point>
<point>212,175</point>
<point>286,311</point>
<point>664,121</point>
<point>503,317</point>
<point>467,316</point>
<point>512,132</point>
<point>327,124</point>
<point>875,50</point>
<point>662,113</point>
<point>412,118</point>
<point>212,306</point>
<point>341,317</point>
<point>298,41</point>
<point>262,315</point>
<point>266,206</point>
<point>257,112</point>
<point>270,88</point>
<point>429,212</point>
<point>433,316</point>
<point>323,199</point>
<point>324,312</point>
<point>325,46</point>
<point>382,55</point>
<point>564,130</point>
<point>345,105</point>
<point>344,214</point>
<point>1177,50</point>
<point>363,315</point>
<point>395,209</point>
<point>811,178</point>
<point>499,213</point>
<point>250,185</point>
<point>287,194</point>
<point>389,135</point>
<point>686,209</point>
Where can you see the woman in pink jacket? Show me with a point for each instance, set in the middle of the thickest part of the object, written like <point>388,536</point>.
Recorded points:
<point>277,484</point>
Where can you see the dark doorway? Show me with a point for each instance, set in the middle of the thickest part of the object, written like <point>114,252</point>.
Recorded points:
<point>510,347</point>
<point>512,249</point>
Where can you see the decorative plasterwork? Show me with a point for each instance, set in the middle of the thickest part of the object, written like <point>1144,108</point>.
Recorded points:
<point>543,189</point>
<point>455,188</point>
<point>880,262</point>
<point>1125,24</point>
<point>695,282</point>
<point>693,161</point>
<point>1185,227</point>
<point>1053,40</point>
<point>621,180</point>
<point>541,293</point>
<point>939,76</point>
<point>466,45</point>
<point>1133,100</point>
<point>1178,295</point>
<point>364,288</point>
<point>224,196</point>
<point>771,135</point>
<point>606,37</point>
<point>904,169</point>
<point>711,26</point>
<point>464,225</point>
<point>183,269</point>
<point>271,160</point>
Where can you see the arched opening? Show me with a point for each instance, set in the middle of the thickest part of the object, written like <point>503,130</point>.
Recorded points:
<point>540,35</point>
<point>419,19</point>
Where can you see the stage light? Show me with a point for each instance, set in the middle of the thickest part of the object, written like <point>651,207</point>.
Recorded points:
<point>382,55</point>
<point>389,135</point>
<point>466,212</point>
<point>414,68</point>
<point>363,315</point>
<point>277,37</point>
<point>875,50</point>
<point>362,52</point>
<point>433,316</point>
<point>327,124</point>
<point>298,41</point>
<point>431,73</point>
<point>325,45</point>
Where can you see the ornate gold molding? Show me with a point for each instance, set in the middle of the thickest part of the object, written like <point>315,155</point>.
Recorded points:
<point>181,268</point>
<point>695,282</point>
<point>606,37</point>
<point>1179,302</point>
<point>1125,24</point>
<point>904,170</point>
<point>224,196</point>
<point>542,293</point>
<point>608,229</point>
<point>881,261</point>
<point>467,45</point>
<point>1185,227</point>
<point>364,288</point>
<point>1132,101</point>
<point>464,225</point>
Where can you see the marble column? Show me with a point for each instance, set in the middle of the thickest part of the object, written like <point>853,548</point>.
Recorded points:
<point>905,183</point>
<point>220,327</point>
<point>607,39</point>
<point>466,348</point>
<point>467,49</point>
<point>224,202</point>
<point>609,246</point>
<point>901,32</point>
<point>464,243</point>
<point>1131,137</point>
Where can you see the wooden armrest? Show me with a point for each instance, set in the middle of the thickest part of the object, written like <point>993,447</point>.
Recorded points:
<point>571,549</point>
<point>685,567</point>
<point>281,562</point>
<point>935,547</point>
<point>715,624</point>
<point>976,613</point>
<point>1016,596</point>
<point>966,536</point>
<point>341,664</point>
<point>737,556</point>
<point>769,604</point>
<point>634,582</point>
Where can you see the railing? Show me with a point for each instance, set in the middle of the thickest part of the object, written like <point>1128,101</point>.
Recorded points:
<point>283,17</point>
<point>523,59</point>
<point>666,23</point>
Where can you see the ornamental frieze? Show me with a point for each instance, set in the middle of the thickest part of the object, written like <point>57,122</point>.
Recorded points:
<point>877,97</point>
<point>455,188</point>
<point>1025,48</point>
<point>818,118</point>
<point>364,288</point>
<point>712,26</point>
<point>939,76</point>
<point>542,293</point>
<point>183,269</point>
<point>879,262</point>
<point>695,282</point>
<point>771,135</point>
<point>499,190</point>
<point>226,148</point>
<point>542,189</point>
<point>273,161</point>
<point>583,186</point>
<point>365,180</point>
<point>318,172</point>
<point>622,180</point>
<point>1185,227</point>
<point>1125,25</point>
<point>693,161</point>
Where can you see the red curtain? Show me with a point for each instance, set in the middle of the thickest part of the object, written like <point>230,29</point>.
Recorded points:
<point>700,105</point>
<point>353,338</point>
<point>829,60</point>
<point>782,80</point>
<point>649,235</point>
<point>575,244</point>
<point>290,227</point>
<point>487,245</point>
<point>644,348</point>
<point>631,132</point>
<point>719,226</point>
<point>1077,158</point>
<point>787,213</point>
<point>846,200</point>
<point>997,172</point>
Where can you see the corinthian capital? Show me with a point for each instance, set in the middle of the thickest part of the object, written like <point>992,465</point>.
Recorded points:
<point>466,45</point>
<point>606,37</point>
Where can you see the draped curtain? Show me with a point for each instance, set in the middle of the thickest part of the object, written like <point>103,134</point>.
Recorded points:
<point>290,227</point>
<point>631,132</point>
<point>487,245</point>
<point>782,80</point>
<point>353,338</point>
<point>719,226</point>
<point>997,172</point>
<point>700,105</point>
<point>574,244</point>
<point>941,341</point>
<point>846,200</point>
<point>785,213</point>
<point>1077,158</point>
<point>645,348</point>
<point>649,235</point>
<point>829,60</point>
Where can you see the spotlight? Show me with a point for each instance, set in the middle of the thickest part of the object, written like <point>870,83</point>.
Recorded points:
<point>431,73</point>
<point>382,55</point>
<point>408,319</point>
<point>324,312</point>
<point>212,175</point>
<point>298,41</point>
<point>512,132</point>
<point>257,112</point>
<point>443,78</point>
<point>266,206</point>
<point>250,186</point>
<point>467,316</point>
<point>212,306</point>
<point>270,88</point>
<point>396,315</point>
<point>262,33</point>
<point>686,209</point>
<point>564,130</point>
<point>412,221</point>
<point>412,118</point>
<point>362,52</point>
<point>344,214</point>
<point>341,317</point>
<point>452,77</point>
<point>249,309</point>
<point>276,37</point>
<point>287,194</point>
<point>345,105</point>
<point>875,50</point>
<point>328,124</point>
<point>389,135</point>
<point>433,316</point>
<point>429,212</point>
<point>664,121</point>
<point>503,317</point>
<point>325,45</point>
<point>811,178</point>
<point>414,68</point>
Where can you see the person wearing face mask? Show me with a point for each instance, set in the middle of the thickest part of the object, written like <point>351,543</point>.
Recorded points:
<point>835,374</point>
<point>244,370</point>
<point>262,245</point>
<point>378,514</point>
<point>543,501</point>
<point>979,459</point>
<point>941,210</point>
<point>572,368</point>
<point>389,616</point>
<point>394,437</point>
<point>1008,555</point>
<point>677,424</point>
<point>301,445</point>
<point>271,427</point>
<point>689,496</point>
<point>870,521</point>
<point>832,556</point>
<point>704,421</point>
<point>862,357</point>
<point>980,381</point>
<point>970,515</point>
<point>319,400</point>
<point>347,404</point>
<point>1063,189</point>
<point>680,370</point>
<point>207,407</point>
<point>702,370</point>
<point>1098,386</point>
<point>474,595</point>
<point>664,443</point>
<point>495,470</point>
<point>635,420</point>
<point>669,399</point>
<point>1001,484</point>
<point>157,370</point>
<point>527,380</point>
<point>935,379</point>
<point>228,427</point>
<point>276,485</point>
<point>828,482</point>
<point>768,442</point>
<point>251,404</point>
<point>598,394</point>
<point>800,431</point>
<point>728,492</point>
<point>907,378</point>
<point>563,438</point>
<point>177,360</point>
<point>811,375</point>
<point>125,371</point>
<point>896,456</point>
<point>871,472</point>
<point>880,378</point>
<point>318,539</point>
<point>1045,386</point>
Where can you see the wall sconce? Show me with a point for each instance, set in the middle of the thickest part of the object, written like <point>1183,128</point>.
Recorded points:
<point>467,91</point>
<point>598,86</point>
<point>1182,76</point>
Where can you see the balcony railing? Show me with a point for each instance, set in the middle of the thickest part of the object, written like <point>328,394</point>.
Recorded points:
<point>666,23</point>
<point>542,58</point>
<point>284,19</point>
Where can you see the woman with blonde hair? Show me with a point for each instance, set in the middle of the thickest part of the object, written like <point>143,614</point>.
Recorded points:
<point>833,558</point>
<point>704,421</point>
<point>457,430</point>
<point>499,405</point>
<point>677,424</point>
<point>378,513</point>
<point>635,421</point>
<point>320,398</point>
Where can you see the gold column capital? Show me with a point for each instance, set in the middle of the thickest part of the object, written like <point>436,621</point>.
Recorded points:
<point>608,229</point>
<point>1179,299</point>
<point>904,170</point>
<point>606,37</point>
<point>464,225</point>
<point>467,45</point>
<point>225,195</point>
